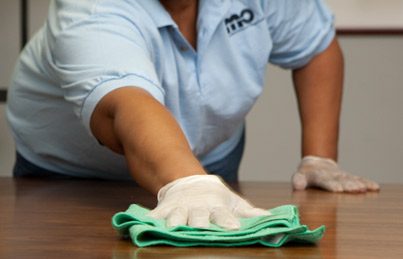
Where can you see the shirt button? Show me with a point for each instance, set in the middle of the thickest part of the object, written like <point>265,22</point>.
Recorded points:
<point>183,48</point>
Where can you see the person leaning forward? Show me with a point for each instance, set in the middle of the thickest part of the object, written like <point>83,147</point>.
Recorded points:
<point>158,91</point>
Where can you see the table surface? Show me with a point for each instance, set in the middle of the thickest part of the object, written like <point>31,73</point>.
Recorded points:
<point>44,218</point>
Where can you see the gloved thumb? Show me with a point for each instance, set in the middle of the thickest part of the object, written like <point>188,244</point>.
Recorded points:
<point>299,181</point>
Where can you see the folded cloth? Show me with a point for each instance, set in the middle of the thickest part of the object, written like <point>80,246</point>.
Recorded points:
<point>281,227</point>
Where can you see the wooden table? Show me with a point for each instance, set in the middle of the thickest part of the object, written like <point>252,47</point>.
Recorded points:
<point>43,218</point>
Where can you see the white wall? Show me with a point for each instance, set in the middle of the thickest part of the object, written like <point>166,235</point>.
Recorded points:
<point>9,38</point>
<point>9,49</point>
<point>368,14</point>
<point>372,120</point>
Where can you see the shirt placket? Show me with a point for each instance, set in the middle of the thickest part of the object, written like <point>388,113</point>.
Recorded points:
<point>211,14</point>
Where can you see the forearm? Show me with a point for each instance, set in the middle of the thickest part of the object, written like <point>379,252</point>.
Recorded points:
<point>132,122</point>
<point>318,87</point>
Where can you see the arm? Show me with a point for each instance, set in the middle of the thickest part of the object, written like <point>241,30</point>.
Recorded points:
<point>131,122</point>
<point>318,87</point>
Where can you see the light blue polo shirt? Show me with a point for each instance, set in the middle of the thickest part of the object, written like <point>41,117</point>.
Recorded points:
<point>89,48</point>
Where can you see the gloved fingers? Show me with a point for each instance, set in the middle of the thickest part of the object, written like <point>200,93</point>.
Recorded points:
<point>325,174</point>
<point>299,181</point>
<point>370,185</point>
<point>351,184</point>
<point>245,210</point>
<point>178,216</point>
<point>223,217</point>
<point>343,183</point>
<point>360,184</point>
<point>159,212</point>
<point>329,185</point>
<point>199,217</point>
<point>253,212</point>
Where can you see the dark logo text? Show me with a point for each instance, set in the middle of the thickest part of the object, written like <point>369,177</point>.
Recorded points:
<point>237,21</point>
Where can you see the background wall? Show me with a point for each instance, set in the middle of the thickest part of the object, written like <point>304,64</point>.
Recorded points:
<point>371,141</point>
<point>368,14</point>
<point>372,120</point>
<point>9,48</point>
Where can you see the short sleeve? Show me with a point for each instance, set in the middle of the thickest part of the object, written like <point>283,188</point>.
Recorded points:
<point>300,29</point>
<point>99,54</point>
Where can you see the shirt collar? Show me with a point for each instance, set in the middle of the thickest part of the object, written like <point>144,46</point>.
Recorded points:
<point>157,12</point>
<point>215,9</point>
<point>212,13</point>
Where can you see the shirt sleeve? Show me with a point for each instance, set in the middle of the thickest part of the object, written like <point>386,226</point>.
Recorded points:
<point>99,54</point>
<point>300,29</point>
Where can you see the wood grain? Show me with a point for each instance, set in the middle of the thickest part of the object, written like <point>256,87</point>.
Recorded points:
<point>43,218</point>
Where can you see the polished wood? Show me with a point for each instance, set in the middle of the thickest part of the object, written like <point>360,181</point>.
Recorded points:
<point>44,218</point>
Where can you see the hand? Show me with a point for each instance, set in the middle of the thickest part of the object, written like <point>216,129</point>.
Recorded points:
<point>198,200</point>
<point>326,174</point>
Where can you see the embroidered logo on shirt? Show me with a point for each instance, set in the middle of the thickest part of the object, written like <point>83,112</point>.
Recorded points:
<point>237,21</point>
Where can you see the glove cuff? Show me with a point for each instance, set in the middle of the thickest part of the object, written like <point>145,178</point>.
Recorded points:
<point>307,159</point>
<point>185,181</point>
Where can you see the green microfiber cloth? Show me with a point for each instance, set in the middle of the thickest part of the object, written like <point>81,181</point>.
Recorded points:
<point>280,227</point>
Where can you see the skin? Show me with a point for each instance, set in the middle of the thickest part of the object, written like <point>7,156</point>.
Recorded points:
<point>318,87</point>
<point>131,122</point>
<point>184,13</point>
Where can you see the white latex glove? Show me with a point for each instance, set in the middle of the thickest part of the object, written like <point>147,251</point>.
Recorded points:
<point>198,200</point>
<point>326,174</point>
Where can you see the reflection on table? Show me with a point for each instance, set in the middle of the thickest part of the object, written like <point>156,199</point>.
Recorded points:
<point>43,218</point>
